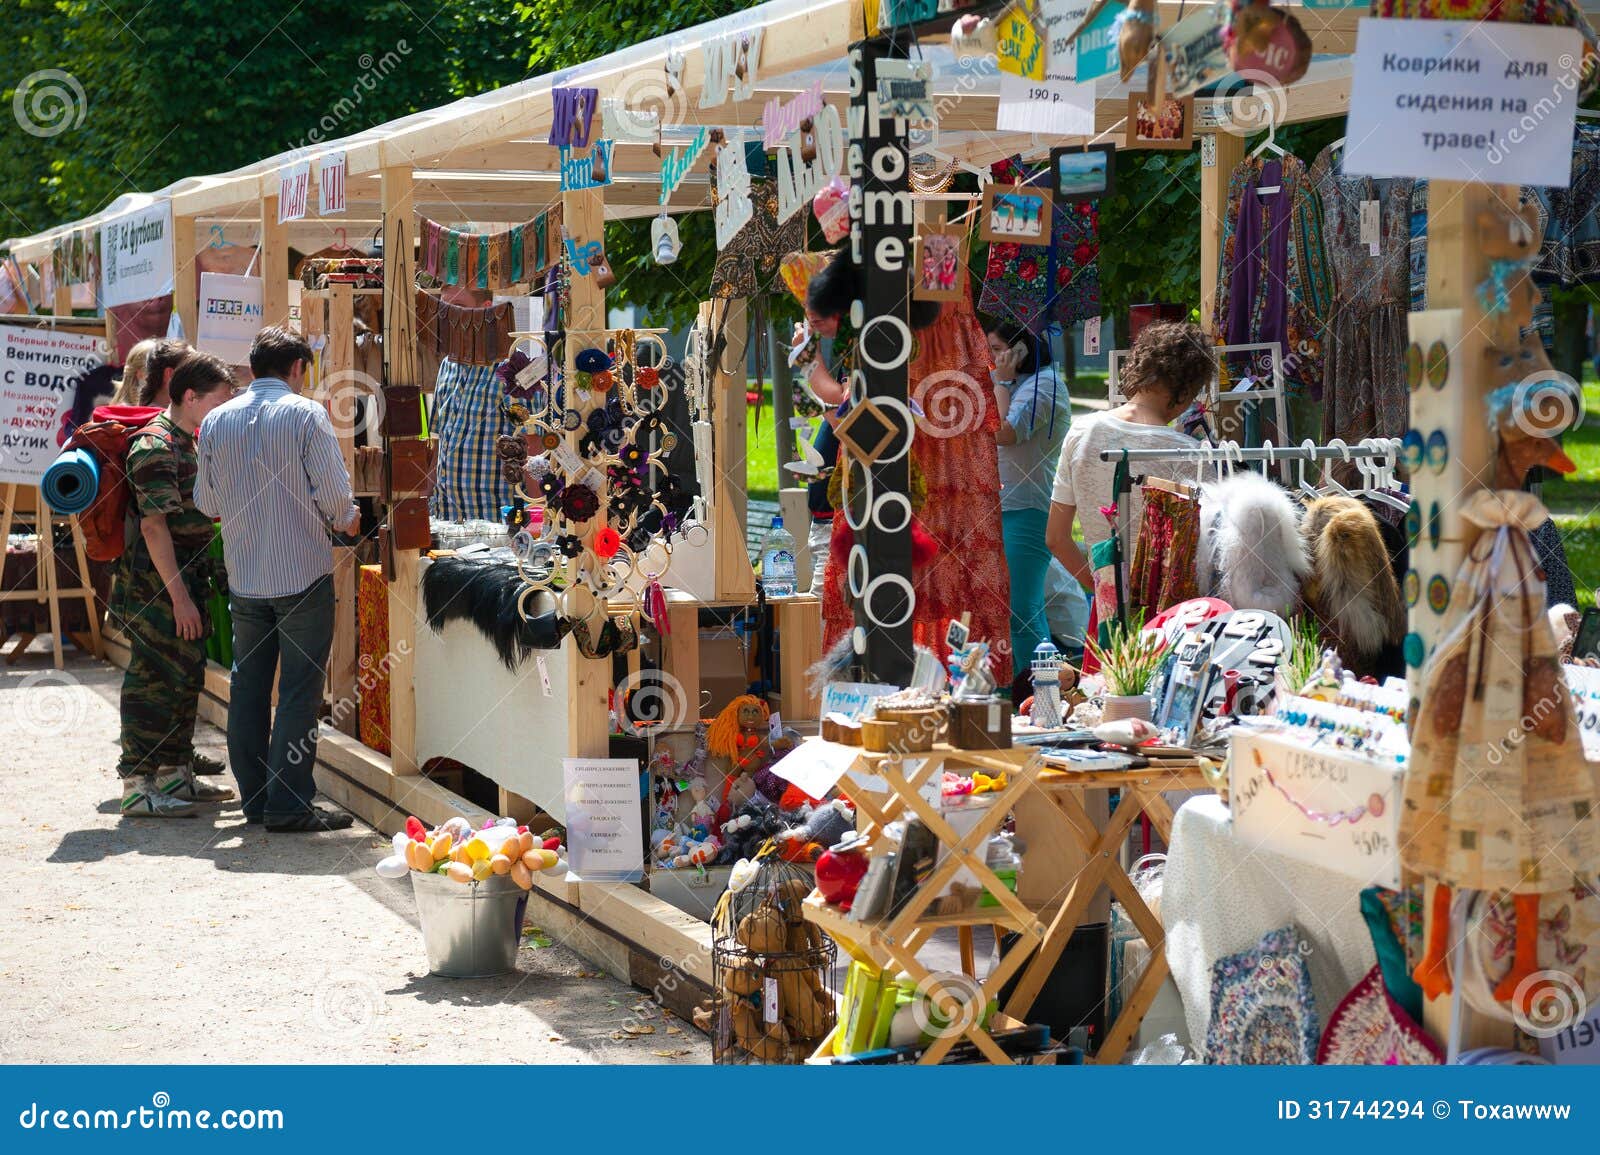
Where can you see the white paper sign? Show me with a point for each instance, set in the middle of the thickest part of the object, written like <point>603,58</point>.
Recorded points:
<point>852,698</point>
<point>331,174</point>
<point>294,191</point>
<point>39,375</point>
<point>1463,100</point>
<point>1091,337</point>
<point>816,765</point>
<point>605,832</point>
<point>136,255</point>
<point>1057,104</point>
<point>230,316</point>
<point>1273,782</point>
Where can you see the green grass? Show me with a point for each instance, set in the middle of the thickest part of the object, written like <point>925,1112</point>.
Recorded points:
<point>761,452</point>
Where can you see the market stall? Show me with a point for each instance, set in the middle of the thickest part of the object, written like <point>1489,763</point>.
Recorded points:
<point>487,271</point>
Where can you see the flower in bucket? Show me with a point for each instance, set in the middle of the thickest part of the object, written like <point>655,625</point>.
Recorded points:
<point>464,855</point>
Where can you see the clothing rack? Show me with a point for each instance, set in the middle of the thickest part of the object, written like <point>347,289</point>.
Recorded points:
<point>1386,447</point>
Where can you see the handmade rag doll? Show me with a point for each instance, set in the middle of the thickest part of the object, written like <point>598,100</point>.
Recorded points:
<point>1251,555</point>
<point>1498,796</point>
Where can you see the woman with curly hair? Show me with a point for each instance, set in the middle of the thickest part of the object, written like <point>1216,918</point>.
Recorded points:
<point>1167,368</point>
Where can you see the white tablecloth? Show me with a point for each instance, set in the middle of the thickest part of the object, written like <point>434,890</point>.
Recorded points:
<point>1219,898</point>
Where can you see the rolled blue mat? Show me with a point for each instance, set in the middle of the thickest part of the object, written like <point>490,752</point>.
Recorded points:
<point>71,482</point>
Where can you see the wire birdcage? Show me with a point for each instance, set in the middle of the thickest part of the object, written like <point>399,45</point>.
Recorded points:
<point>769,968</point>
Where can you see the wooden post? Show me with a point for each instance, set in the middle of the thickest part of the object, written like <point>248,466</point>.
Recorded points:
<point>185,281</point>
<point>399,337</point>
<point>62,305</point>
<point>730,418</point>
<point>588,679</point>
<point>1217,162</point>
<point>1456,265</point>
<point>272,265</point>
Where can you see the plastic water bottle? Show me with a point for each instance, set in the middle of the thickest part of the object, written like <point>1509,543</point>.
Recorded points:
<point>777,562</point>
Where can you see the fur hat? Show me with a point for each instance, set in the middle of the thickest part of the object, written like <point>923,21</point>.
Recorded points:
<point>1250,553</point>
<point>1351,589</point>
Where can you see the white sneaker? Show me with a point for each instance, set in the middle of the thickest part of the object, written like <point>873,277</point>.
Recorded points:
<point>141,798</point>
<point>180,782</point>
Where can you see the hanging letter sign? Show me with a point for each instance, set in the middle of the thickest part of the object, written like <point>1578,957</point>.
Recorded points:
<point>735,208</point>
<point>631,125</point>
<point>331,184</point>
<point>294,190</point>
<point>812,157</point>
<point>730,65</point>
<point>590,169</point>
<point>574,116</point>
<point>677,163</point>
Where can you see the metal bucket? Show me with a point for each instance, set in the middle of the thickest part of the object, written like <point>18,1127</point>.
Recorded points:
<point>471,931</point>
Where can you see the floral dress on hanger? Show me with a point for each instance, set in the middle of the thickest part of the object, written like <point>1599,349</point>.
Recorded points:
<point>1366,336</point>
<point>1273,283</point>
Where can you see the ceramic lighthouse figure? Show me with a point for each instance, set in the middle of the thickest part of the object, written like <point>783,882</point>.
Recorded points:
<point>1046,713</point>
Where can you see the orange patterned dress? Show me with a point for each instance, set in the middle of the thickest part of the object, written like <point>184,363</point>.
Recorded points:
<point>955,449</point>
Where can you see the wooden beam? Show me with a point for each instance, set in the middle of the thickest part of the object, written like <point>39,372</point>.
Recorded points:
<point>1219,155</point>
<point>588,679</point>
<point>272,265</point>
<point>400,356</point>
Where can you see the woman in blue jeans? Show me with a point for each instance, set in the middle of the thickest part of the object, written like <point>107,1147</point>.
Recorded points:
<point>1035,412</point>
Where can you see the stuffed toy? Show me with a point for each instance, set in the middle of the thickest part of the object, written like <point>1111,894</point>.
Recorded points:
<point>823,827</point>
<point>744,833</point>
<point>1251,555</point>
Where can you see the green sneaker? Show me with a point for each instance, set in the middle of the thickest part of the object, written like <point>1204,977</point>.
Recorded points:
<point>180,782</point>
<point>142,799</point>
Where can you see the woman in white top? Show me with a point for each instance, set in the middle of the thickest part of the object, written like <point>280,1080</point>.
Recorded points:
<point>1167,368</point>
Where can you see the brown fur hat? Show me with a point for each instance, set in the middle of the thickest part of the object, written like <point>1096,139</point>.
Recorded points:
<point>1351,589</point>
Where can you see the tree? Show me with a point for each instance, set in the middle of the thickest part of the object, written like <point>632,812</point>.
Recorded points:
<point>186,87</point>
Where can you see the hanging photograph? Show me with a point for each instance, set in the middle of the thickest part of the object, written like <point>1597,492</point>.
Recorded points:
<point>1165,124</point>
<point>1019,213</point>
<point>940,263</point>
<point>1082,174</point>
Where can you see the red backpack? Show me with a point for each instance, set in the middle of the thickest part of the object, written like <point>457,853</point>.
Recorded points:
<point>105,521</point>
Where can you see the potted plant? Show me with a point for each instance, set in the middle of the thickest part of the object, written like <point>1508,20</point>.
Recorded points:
<point>1129,659</point>
<point>1302,661</point>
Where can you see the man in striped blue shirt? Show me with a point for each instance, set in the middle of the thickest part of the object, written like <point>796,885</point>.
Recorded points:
<point>271,469</point>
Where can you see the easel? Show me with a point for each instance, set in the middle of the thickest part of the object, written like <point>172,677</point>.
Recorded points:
<point>48,592</point>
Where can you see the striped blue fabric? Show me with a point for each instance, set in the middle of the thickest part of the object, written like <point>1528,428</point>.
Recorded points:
<point>270,468</point>
<point>468,414</point>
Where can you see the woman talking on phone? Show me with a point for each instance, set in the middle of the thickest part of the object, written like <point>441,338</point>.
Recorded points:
<point>1035,413</point>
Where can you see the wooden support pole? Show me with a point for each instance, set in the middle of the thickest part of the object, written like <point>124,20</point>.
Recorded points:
<point>588,679</point>
<point>185,281</point>
<point>1218,159</point>
<point>338,363</point>
<point>730,501</point>
<point>399,338</point>
<point>272,264</point>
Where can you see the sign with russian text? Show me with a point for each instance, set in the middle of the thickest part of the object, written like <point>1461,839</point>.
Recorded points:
<point>605,830</point>
<point>294,191</point>
<point>39,374</point>
<point>1096,43</point>
<point>230,316</point>
<point>1462,100</point>
<point>136,255</point>
<point>331,174</point>
<point>1056,103</point>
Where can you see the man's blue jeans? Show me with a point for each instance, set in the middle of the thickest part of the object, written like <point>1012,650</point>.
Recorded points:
<point>272,756</point>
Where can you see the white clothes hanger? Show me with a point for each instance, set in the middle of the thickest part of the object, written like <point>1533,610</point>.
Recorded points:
<point>1310,447</point>
<point>1374,471</point>
<point>1330,484</point>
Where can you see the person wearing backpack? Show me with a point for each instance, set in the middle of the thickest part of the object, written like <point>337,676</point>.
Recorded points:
<point>163,578</point>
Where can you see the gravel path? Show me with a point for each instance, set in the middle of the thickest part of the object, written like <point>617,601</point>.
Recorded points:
<point>206,940</point>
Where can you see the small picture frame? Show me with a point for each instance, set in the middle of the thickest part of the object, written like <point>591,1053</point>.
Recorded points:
<point>1082,174</point>
<point>1166,123</point>
<point>1016,213</point>
<point>939,266</point>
